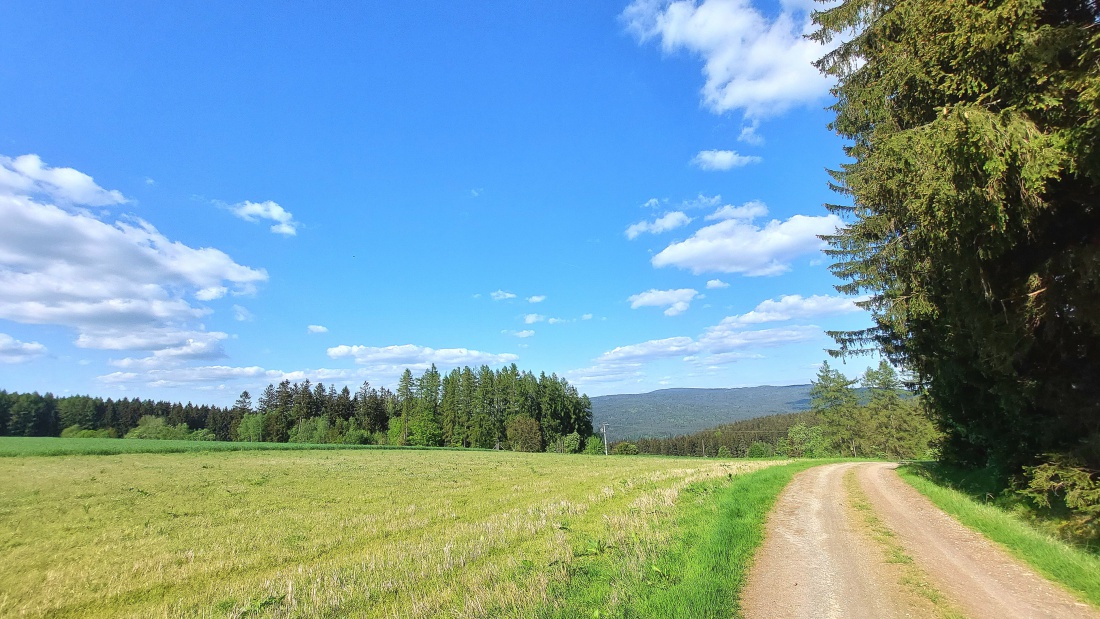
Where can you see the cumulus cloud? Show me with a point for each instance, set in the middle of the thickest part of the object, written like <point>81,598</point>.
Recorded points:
<point>317,329</point>
<point>748,211</point>
<point>417,356</point>
<point>28,175</point>
<point>669,221</point>
<point>269,210</point>
<point>712,160</point>
<point>200,346</point>
<point>501,295</point>
<point>757,63</point>
<point>727,342</point>
<point>739,246</point>
<point>523,334</point>
<point>716,283</point>
<point>586,317</point>
<point>538,298</point>
<point>791,306</point>
<point>531,319</point>
<point>676,301</point>
<point>15,351</point>
<point>120,285</point>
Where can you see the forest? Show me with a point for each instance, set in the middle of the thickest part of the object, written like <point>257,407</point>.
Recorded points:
<point>879,419</point>
<point>485,408</point>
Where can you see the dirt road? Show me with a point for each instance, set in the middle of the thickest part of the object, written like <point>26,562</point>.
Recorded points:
<point>821,559</point>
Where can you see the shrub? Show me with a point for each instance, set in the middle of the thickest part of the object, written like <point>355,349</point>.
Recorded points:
<point>625,449</point>
<point>760,449</point>
<point>593,446</point>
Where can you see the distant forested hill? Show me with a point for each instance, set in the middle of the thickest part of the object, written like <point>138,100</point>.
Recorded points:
<point>672,412</point>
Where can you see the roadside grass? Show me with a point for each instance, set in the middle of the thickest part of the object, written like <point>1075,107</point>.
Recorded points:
<point>701,571</point>
<point>1075,569</point>
<point>11,446</point>
<point>912,578</point>
<point>366,533</point>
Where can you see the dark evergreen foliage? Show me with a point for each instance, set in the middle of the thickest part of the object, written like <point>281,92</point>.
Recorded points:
<point>975,226</point>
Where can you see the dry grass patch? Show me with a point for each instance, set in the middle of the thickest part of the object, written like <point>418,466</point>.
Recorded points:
<point>317,533</point>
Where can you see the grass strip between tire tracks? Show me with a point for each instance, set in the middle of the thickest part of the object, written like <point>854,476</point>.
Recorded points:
<point>719,525</point>
<point>1075,570</point>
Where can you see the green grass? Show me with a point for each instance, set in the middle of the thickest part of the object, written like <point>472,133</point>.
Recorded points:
<point>701,571</point>
<point>306,533</point>
<point>1073,568</point>
<point>49,446</point>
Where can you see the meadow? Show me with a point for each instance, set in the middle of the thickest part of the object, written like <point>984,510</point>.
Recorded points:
<point>376,533</point>
<point>13,446</point>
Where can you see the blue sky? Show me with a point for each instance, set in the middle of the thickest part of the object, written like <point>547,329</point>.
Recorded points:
<point>202,198</point>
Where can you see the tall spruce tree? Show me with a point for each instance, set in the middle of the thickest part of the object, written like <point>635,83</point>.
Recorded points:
<point>974,134</point>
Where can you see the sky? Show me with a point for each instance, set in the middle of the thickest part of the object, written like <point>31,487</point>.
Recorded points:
<point>202,198</point>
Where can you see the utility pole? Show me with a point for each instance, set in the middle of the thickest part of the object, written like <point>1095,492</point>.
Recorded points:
<point>603,428</point>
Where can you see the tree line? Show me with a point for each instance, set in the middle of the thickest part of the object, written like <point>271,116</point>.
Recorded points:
<point>971,196</point>
<point>485,408</point>
<point>877,419</point>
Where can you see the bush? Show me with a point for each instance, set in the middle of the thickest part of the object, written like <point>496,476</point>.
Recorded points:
<point>625,449</point>
<point>156,428</point>
<point>760,449</point>
<point>1065,481</point>
<point>572,443</point>
<point>593,446</point>
<point>724,452</point>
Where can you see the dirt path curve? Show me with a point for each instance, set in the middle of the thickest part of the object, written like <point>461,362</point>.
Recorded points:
<point>818,560</point>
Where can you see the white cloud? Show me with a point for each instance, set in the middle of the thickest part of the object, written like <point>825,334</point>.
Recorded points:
<point>556,321</point>
<point>538,298</point>
<point>737,246</point>
<point>255,211</point>
<point>412,355</point>
<point>669,221</point>
<point>749,135</point>
<point>317,329</point>
<point>201,346</point>
<point>211,293</point>
<point>524,334</point>
<point>241,314</point>
<point>15,351</point>
<point>792,306</point>
<point>652,203</point>
<point>716,283</point>
<point>120,285</point>
<point>722,160</point>
<point>702,201</point>
<point>722,344</point>
<point>677,301</point>
<point>27,175</point>
<point>753,62</point>
<point>651,350</point>
<point>586,317</point>
<point>501,295</point>
<point>748,211</point>
<point>531,319</point>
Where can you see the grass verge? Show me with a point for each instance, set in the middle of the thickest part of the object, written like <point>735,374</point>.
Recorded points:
<point>1076,570</point>
<point>718,527</point>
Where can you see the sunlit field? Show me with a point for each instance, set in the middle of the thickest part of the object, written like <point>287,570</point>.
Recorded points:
<point>323,533</point>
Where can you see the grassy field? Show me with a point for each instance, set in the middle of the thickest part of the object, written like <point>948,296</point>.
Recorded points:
<point>332,533</point>
<point>1075,569</point>
<point>50,446</point>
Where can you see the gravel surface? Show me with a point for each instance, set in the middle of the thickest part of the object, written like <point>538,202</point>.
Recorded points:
<point>818,560</point>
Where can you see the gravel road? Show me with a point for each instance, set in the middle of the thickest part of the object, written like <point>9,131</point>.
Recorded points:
<point>819,560</point>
